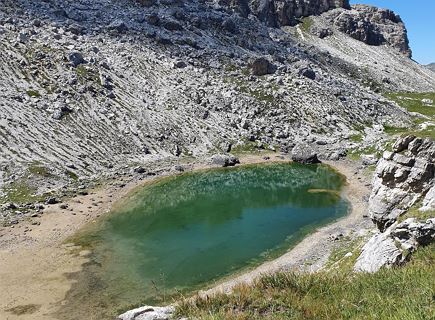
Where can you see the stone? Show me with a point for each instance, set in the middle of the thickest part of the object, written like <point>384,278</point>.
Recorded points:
<point>369,159</point>
<point>76,59</point>
<point>139,170</point>
<point>224,160</point>
<point>51,200</point>
<point>180,64</point>
<point>303,153</point>
<point>262,66</point>
<point>148,313</point>
<point>22,37</point>
<point>307,73</point>
<point>179,168</point>
<point>394,246</point>
<point>118,26</point>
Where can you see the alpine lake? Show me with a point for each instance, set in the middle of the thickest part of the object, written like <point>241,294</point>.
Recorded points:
<point>178,234</point>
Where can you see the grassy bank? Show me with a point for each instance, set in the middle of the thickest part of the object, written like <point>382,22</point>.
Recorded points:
<point>400,293</point>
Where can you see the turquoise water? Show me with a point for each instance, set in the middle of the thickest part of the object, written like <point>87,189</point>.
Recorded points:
<point>183,232</point>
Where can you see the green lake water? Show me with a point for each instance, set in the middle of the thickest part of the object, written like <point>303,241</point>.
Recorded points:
<point>184,232</point>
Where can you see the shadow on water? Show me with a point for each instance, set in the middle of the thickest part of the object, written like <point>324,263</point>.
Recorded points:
<point>183,233</point>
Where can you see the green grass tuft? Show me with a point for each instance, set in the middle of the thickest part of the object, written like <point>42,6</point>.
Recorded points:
<point>306,24</point>
<point>33,93</point>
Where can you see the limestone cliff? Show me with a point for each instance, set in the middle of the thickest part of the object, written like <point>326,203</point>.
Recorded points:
<point>373,26</point>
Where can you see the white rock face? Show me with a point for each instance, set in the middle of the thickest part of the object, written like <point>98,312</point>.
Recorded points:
<point>148,313</point>
<point>429,200</point>
<point>379,251</point>
<point>394,246</point>
<point>401,179</point>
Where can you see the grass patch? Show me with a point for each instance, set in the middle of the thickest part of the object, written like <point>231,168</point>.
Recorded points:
<point>356,138</point>
<point>413,103</point>
<point>20,192</point>
<point>71,175</point>
<point>338,259</point>
<point>259,94</point>
<point>24,309</point>
<point>355,154</point>
<point>33,93</point>
<point>39,170</point>
<point>87,73</point>
<point>393,294</point>
<point>306,24</point>
<point>414,212</point>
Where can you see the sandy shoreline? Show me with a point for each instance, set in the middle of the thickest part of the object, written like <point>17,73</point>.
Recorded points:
<point>35,261</point>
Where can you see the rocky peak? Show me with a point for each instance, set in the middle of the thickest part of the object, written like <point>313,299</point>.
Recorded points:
<point>275,13</point>
<point>373,26</point>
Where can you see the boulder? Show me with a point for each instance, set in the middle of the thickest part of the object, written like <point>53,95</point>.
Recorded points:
<point>224,160</point>
<point>303,153</point>
<point>148,313</point>
<point>379,251</point>
<point>262,66</point>
<point>395,245</point>
<point>76,59</point>
<point>429,201</point>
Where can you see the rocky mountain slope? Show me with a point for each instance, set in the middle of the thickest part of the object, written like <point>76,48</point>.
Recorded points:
<point>93,88</point>
<point>431,66</point>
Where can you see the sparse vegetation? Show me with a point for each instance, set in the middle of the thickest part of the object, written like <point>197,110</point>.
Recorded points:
<point>19,192</point>
<point>39,170</point>
<point>413,102</point>
<point>306,24</point>
<point>356,138</point>
<point>258,93</point>
<point>33,93</point>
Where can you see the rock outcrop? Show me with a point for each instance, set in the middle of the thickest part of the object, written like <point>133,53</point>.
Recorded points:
<point>305,154</point>
<point>395,245</point>
<point>373,26</point>
<point>431,66</point>
<point>288,12</point>
<point>402,178</point>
